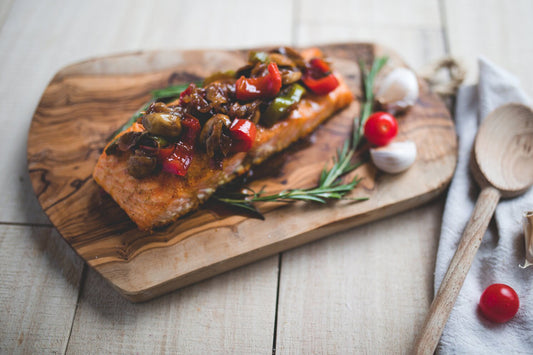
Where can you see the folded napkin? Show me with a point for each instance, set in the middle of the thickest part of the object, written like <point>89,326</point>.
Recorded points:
<point>502,249</point>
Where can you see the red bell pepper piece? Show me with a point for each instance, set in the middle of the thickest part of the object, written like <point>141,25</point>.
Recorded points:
<point>264,87</point>
<point>164,153</point>
<point>178,159</point>
<point>321,65</point>
<point>243,134</point>
<point>319,78</point>
<point>187,91</point>
<point>190,129</point>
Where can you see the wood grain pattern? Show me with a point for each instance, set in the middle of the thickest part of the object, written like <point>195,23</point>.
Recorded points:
<point>86,102</point>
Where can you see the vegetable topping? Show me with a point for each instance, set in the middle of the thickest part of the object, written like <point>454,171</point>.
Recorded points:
<point>221,116</point>
<point>318,77</point>
<point>264,87</point>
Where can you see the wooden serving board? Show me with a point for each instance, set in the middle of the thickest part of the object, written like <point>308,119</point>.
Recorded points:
<point>86,102</point>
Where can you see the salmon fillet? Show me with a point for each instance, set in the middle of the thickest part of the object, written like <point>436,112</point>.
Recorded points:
<point>160,199</point>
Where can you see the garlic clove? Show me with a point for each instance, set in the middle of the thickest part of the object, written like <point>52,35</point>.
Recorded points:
<point>398,90</point>
<point>528,235</point>
<point>394,157</point>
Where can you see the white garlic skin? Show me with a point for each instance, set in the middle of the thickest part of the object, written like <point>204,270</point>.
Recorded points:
<point>394,157</point>
<point>398,90</point>
<point>528,235</point>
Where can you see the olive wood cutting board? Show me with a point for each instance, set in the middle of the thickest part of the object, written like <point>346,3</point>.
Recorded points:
<point>86,102</point>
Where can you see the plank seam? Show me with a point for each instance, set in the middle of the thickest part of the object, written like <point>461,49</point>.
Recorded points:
<point>80,291</point>
<point>444,26</point>
<point>26,224</point>
<point>274,337</point>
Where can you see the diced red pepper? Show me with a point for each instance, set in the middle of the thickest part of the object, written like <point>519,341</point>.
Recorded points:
<point>264,87</point>
<point>320,65</point>
<point>190,129</point>
<point>318,77</point>
<point>164,153</point>
<point>177,159</point>
<point>243,134</point>
<point>188,91</point>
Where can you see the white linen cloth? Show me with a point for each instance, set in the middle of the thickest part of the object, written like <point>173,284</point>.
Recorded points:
<point>502,249</point>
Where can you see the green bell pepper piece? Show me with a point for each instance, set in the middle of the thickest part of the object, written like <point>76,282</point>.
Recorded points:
<point>281,105</point>
<point>261,57</point>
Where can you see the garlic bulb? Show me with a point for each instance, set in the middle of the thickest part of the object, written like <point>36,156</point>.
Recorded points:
<point>528,235</point>
<point>398,90</point>
<point>394,157</point>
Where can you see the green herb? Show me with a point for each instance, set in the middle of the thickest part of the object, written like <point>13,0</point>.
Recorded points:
<point>171,92</point>
<point>132,120</point>
<point>330,187</point>
<point>368,78</point>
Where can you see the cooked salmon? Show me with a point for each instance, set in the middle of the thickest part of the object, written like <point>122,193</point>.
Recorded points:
<point>162,198</point>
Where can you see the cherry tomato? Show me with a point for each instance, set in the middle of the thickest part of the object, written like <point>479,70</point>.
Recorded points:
<point>499,303</point>
<point>380,128</point>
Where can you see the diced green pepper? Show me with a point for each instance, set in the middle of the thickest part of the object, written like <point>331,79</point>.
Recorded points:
<point>160,141</point>
<point>255,57</point>
<point>281,105</point>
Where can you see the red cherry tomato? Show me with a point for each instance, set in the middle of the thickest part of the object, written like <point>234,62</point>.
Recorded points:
<point>380,128</point>
<point>499,303</point>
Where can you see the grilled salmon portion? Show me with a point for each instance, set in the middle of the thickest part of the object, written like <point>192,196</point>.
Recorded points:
<point>162,198</point>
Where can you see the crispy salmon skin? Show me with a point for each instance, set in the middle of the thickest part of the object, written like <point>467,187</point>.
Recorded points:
<point>161,198</point>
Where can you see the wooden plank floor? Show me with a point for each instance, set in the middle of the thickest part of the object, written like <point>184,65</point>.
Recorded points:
<point>365,290</point>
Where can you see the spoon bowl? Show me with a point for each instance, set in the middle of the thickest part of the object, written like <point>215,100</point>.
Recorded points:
<point>503,150</point>
<point>502,164</point>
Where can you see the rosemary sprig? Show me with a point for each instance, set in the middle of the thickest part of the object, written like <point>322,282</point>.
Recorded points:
<point>368,78</point>
<point>330,187</point>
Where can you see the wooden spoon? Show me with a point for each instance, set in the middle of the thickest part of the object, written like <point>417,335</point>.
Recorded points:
<point>502,164</point>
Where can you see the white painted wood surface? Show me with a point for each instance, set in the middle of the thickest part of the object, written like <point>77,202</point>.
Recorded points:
<point>366,290</point>
<point>41,278</point>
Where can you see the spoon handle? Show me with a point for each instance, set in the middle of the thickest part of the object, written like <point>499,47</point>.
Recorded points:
<point>452,282</point>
